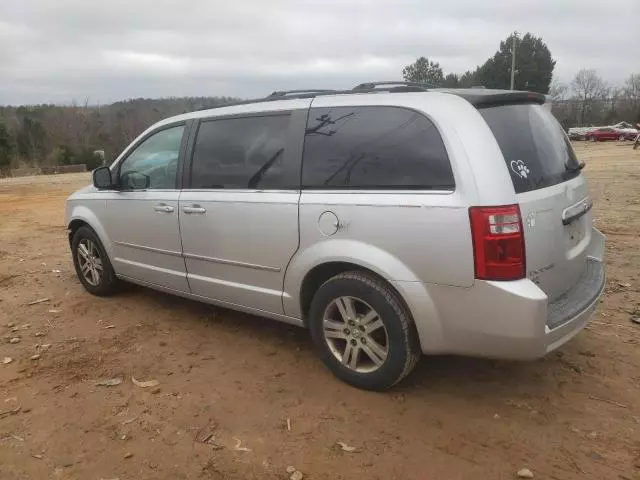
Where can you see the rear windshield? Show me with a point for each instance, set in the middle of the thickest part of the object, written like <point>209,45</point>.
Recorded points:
<point>535,148</point>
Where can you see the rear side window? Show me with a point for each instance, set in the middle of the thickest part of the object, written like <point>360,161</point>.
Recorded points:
<point>240,153</point>
<point>373,148</point>
<point>535,148</point>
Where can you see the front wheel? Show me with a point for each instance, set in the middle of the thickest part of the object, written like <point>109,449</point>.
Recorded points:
<point>621,138</point>
<point>92,264</point>
<point>362,331</point>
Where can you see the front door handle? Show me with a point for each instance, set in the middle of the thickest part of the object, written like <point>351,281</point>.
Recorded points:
<point>195,208</point>
<point>163,208</point>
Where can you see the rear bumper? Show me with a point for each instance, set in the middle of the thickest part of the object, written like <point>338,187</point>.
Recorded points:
<point>514,320</point>
<point>570,313</point>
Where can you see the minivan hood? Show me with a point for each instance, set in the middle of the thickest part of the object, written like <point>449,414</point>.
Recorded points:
<point>83,191</point>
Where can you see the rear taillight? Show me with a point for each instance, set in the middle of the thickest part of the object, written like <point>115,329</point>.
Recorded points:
<point>498,242</point>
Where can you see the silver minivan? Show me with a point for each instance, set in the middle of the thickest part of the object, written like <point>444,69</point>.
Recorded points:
<point>391,220</point>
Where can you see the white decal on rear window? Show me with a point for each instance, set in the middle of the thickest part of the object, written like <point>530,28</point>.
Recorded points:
<point>519,168</point>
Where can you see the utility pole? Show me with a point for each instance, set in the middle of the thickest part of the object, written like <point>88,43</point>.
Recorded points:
<point>513,60</point>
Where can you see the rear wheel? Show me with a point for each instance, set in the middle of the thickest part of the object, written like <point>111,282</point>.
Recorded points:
<point>621,138</point>
<point>362,331</point>
<point>92,264</point>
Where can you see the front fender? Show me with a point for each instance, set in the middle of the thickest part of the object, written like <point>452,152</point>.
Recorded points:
<point>413,291</point>
<point>89,215</point>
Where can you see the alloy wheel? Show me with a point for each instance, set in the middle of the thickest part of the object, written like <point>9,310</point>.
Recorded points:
<point>90,262</point>
<point>355,334</point>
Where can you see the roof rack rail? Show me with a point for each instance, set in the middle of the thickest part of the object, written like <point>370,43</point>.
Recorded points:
<point>478,96</point>
<point>392,85</point>
<point>280,95</point>
<point>284,93</point>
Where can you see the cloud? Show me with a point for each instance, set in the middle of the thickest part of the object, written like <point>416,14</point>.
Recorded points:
<point>58,51</point>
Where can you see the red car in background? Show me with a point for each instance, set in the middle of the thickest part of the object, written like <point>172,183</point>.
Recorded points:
<point>604,133</point>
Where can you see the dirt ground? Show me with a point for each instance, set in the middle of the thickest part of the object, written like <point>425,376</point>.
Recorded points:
<point>244,397</point>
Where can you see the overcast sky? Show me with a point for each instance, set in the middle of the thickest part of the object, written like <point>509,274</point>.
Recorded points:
<point>56,51</point>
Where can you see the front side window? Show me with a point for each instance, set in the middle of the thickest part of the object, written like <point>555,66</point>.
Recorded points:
<point>240,153</point>
<point>374,148</point>
<point>154,163</point>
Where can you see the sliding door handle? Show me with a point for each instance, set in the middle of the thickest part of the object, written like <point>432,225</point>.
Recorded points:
<point>195,208</point>
<point>163,208</point>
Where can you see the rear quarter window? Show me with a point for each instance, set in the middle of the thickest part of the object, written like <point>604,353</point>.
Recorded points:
<point>374,148</point>
<point>536,150</point>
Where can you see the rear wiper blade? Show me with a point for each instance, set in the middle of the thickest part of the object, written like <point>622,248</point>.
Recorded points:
<point>571,168</point>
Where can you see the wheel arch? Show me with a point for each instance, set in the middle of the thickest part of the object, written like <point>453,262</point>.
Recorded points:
<point>319,274</point>
<point>82,216</point>
<point>73,227</point>
<point>309,269</point>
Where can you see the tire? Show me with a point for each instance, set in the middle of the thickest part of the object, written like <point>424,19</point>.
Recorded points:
<point>392,328</point>
<point>85,239</point>
<point>621,138</point>
<point>593,139</point>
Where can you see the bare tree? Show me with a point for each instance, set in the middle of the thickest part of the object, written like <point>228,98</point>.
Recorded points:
<point>588,88</point>
<point>612,112</point>
<point>561,108</point>
<point>558,91</point>
<point>631,93</point>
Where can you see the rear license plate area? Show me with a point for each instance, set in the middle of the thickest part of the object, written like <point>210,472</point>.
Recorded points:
<point>575,232</point>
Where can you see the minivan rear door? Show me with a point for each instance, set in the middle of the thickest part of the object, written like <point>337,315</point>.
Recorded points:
<point>552,194</point>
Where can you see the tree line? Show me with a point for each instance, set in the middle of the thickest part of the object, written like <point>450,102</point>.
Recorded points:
<point>44,135</point>
<point>533,72</point>
<point>586,100</point>
<point>47,135</point>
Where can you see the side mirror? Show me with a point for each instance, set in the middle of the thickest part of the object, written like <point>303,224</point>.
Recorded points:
<point>102,178</point>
